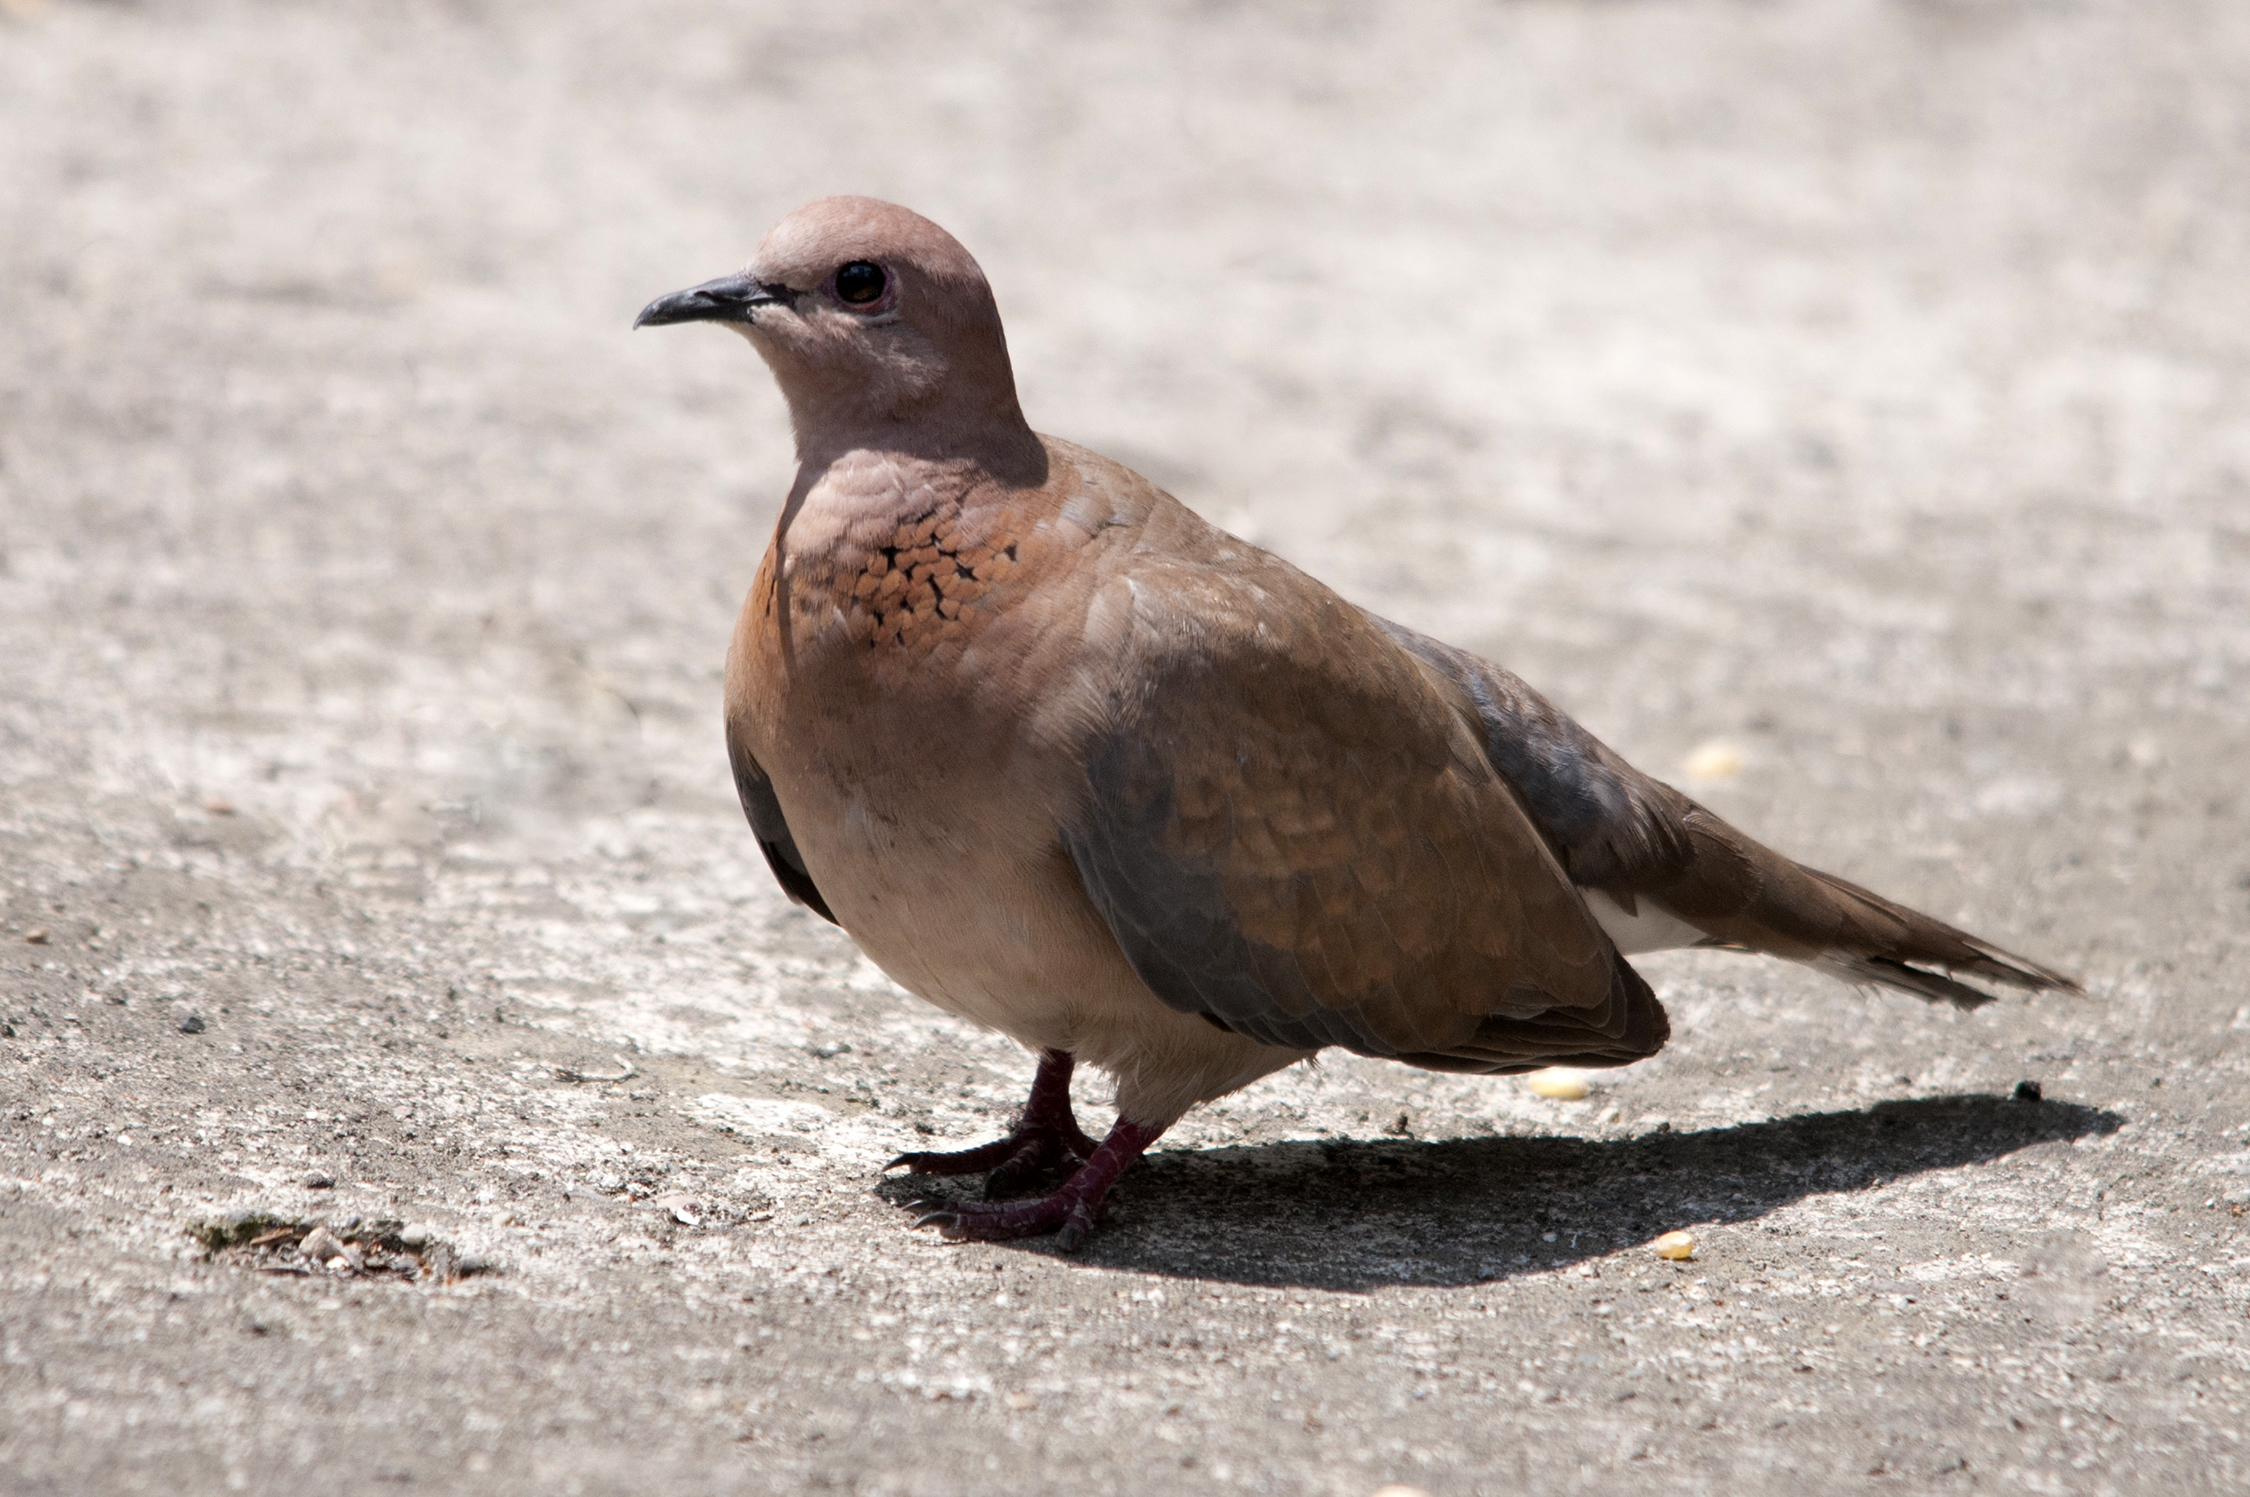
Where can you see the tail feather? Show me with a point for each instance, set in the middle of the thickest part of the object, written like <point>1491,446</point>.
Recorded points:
<point>1878,971</point>
<point>1748,896</point>
<point>1630,838</point>
<point>1924,941</point>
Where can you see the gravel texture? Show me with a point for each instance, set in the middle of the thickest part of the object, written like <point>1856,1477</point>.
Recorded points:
<point>1849,401</point>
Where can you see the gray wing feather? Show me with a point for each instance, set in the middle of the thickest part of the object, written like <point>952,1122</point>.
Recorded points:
<point>1173,924</point>
<point>763,808</point>
<point>1609,825</point>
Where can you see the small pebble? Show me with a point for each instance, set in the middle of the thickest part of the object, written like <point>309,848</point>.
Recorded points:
<point>35,937</point>
<point>1021,1402</point>
<point>192,1024</point>
<point>321,1245</point>
<point>1677,1246</point>
<point>318,1181</point>
<point>686,1210</point>
<point>417,1234</point>
<point>2028,1091</point>
<point>1560,1083</point>
<point>1715,760</point>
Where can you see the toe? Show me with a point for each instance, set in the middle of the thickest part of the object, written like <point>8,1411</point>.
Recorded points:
<point>1025,1165</point>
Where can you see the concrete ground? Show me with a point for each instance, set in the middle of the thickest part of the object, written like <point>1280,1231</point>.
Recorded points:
<point>1847,401</point>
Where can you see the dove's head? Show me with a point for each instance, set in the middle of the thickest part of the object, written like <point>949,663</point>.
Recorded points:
<point>878,326</point>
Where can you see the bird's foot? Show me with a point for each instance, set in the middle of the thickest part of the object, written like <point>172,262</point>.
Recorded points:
<point>1069,1213</point>
<point>1045,1140</point>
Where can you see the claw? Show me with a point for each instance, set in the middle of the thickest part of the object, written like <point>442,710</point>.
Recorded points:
<point>1069,1213</point>
<point>1046,1140</point>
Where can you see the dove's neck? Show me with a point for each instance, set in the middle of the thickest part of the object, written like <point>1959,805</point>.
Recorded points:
<point>953,432</point>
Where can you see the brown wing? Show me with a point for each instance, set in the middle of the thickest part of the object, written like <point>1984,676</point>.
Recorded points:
<point>1290,830</point>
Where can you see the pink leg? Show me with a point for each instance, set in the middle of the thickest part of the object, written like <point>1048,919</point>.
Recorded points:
<point>1069,1213</point>
<point>1046,1137</point>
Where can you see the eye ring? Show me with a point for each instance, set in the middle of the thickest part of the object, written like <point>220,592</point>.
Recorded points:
<point>861,282</point>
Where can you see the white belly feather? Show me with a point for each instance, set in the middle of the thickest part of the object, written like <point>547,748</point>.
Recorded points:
<point>1653,928</point>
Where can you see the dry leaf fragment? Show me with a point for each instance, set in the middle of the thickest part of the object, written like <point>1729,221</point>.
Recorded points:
<point>565,1073</point>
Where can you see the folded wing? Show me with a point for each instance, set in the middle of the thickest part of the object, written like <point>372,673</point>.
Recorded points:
<point>771,828</point>
<point>1291,830</point>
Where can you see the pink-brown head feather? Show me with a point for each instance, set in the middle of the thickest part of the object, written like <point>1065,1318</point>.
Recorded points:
<point>922,368</point>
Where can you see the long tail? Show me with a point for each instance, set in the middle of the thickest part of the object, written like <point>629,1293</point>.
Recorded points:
<point>1744,895</point>
<point>1658,870</point>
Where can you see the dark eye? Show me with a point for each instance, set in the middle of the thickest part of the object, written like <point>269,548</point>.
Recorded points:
<point>860,282</point>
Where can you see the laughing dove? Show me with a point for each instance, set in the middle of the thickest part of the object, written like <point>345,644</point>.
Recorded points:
<point>1071,763</point>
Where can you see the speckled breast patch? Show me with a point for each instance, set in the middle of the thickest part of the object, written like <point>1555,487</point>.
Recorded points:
<point>915,587</point>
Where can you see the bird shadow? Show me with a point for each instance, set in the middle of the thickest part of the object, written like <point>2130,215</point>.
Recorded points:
<point>1356,1215</point>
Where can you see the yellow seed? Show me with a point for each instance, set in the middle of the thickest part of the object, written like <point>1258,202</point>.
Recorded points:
<point>1560,1083</point>
<point>1716,760</point>
<point>1676,1246</point>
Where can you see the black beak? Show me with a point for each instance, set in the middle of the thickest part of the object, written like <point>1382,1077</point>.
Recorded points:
<point>730,298</point>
